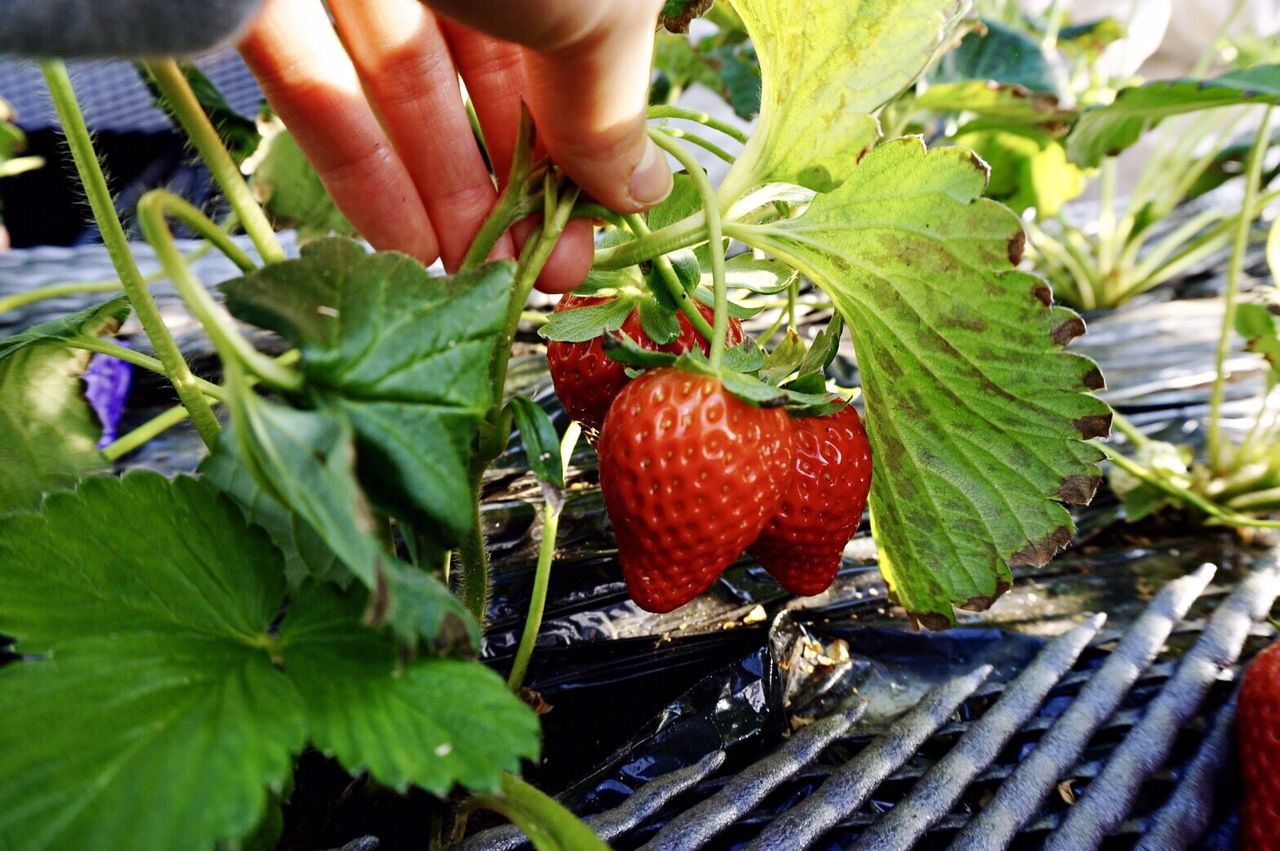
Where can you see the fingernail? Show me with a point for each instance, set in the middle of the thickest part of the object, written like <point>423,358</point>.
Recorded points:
<point>651,181</point>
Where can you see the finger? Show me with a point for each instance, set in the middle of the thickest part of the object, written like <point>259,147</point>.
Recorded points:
<point>309,81</point>
<point>494,73</point>
<point>409,75</point>
<point>588,88</point>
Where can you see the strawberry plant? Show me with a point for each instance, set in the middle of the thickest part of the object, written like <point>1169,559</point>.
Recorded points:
<point>323,579</point>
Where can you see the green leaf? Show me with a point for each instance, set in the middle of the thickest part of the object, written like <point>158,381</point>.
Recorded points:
<point>154,673</point>
<point>1091,37</point>
<point>586,323</point>
<point>759,275</point>
<point>737,311</point>
<point>541,443</point>
<point>1001,54</point>
<point>150,680</point>
<point>306,555</point>
<point>659,323</point>
<point>305,459</point>
<point>744,357</point>
<point>91,321</point>
<point>784,359</point>
<point>48,433</point>
<point>288,187</point>
<point>1007,103</point>
<point>684,201</point>
<point>827,65</point>
<point>1257,324</point>
<point>1029,168</point>
<point>977,418</point>
<point>824,349</point>
<point>628,352</point>
<point>1107,130</point>
<point>403,355</point>
<point>433,723</point>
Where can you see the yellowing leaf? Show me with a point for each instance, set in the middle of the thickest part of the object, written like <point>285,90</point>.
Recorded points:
<point>827,65</point>
<point>978,420</point>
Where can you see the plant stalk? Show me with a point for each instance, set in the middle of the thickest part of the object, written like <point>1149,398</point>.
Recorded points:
<point>671,282</point>
<point>217,323</point>
<point>544,820</point>
<point>553,506</point>
<point>170,80</point>
<point>1214,444</point>
<point>682,234</point>
<point>117,244</point>
<point>715,237</point>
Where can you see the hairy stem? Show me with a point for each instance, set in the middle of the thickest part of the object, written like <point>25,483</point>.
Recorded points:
<point>1214,445</point>
<point>170,80</point>
<point>217,323</point>
<point>715,237</point>
<point>473,558</point>
<point>117,245</point>
<point>138,359</point>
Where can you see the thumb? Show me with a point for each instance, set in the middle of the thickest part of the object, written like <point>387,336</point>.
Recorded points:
<point>588,66</point>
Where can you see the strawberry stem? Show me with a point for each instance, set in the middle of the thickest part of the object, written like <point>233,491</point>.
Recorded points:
<point>670,282</point>
<point>715,235</point>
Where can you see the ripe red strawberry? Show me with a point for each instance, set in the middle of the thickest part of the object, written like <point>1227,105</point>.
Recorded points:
<point>587,380</point>
<point>1258,733</point>
<point>821,508</point>
<point>690,475</point>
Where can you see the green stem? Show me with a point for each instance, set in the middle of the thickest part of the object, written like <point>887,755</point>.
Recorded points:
<point>166,420</point>
<point>793,295</point>
<point>1107,220</point>
<point>703,118</point>
<point>170,80</point>
<point>39,294</point>
<point>700,141</point>
<point>552,508</point>
<point>670,282</point>
<point>549,826</point>
<point>52,291</point>
<point>1206,506</point>
<point>472,554</point>
<point>1125,426</point>
<point>138,359</point>
<point>1215,448</point>
<point>513,203</point>
<point>117,244</point>
<point>473,558</point>
<point>682,234</point>
<point>149,430</point>
<point>715,236</point>
<point>217,323</point>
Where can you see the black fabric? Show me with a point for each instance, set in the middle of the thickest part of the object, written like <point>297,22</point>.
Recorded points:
<point>132,28</point>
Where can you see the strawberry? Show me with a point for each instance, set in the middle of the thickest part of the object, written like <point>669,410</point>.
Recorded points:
<point>1258,733</point>
<point>690,475</point>
<point>822,507</point>
<point>587,380</point>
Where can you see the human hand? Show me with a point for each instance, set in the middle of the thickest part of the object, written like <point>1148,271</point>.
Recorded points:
<point>376,107</point>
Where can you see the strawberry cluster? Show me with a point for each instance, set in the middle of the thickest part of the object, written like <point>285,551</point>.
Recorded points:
<point>693,475</point>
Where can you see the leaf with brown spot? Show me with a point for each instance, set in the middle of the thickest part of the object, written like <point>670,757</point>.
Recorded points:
<point>974,410</point>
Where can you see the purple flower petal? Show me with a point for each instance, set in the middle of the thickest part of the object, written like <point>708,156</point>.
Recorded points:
<point>107,383</point>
